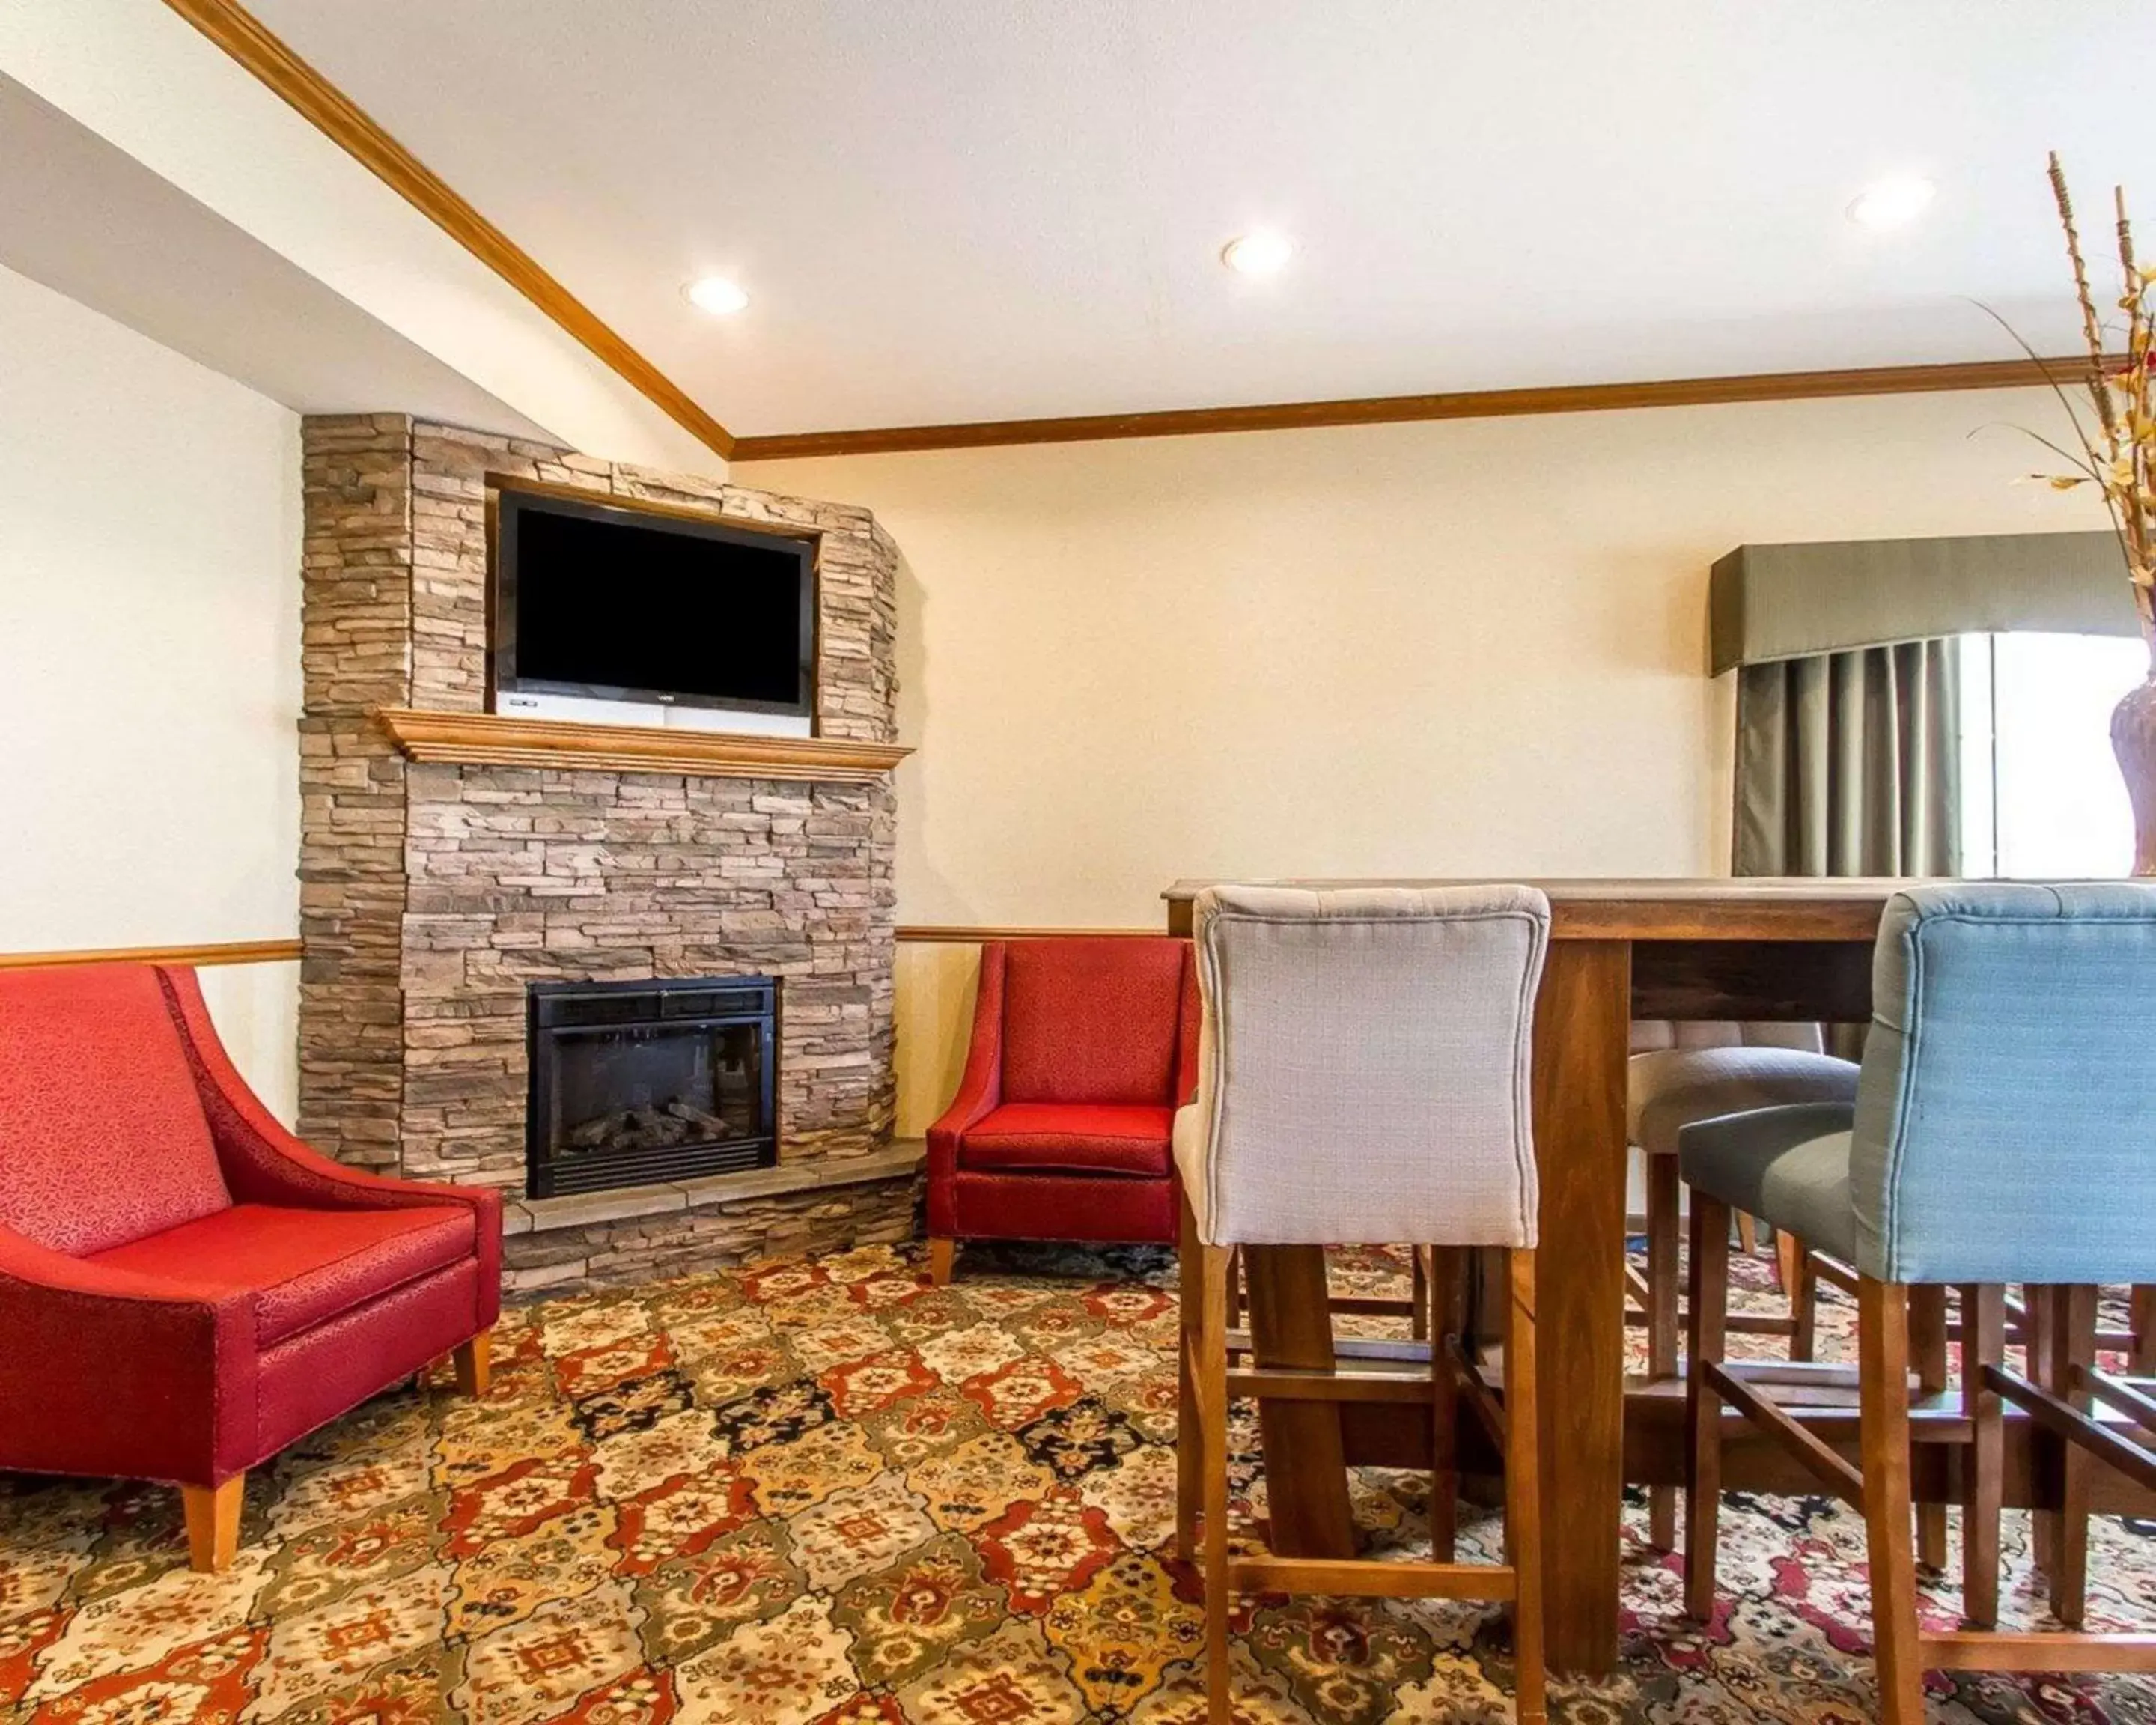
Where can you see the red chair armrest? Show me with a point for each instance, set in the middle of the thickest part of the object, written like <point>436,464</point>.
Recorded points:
<point>980,1088</point>
<point>110,1371</point>
<point>263,1163</point>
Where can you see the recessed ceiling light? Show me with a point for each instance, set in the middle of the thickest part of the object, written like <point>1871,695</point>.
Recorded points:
<point>1261,253</point>
<point>1891,203</point>
<point>717,294</point>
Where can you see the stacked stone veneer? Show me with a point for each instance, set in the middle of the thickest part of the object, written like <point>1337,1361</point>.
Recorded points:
<point>431,895</point>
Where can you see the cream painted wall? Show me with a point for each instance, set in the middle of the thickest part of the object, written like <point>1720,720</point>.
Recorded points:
<point>1476,647</point>
<point>149,660</point>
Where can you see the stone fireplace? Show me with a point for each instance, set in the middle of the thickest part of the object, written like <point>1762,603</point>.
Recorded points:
<point>451,881</point>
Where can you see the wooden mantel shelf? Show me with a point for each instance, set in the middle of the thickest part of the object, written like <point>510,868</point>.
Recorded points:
<point>490,740</point>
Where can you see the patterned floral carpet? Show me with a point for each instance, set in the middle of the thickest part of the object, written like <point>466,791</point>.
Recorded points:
<point>826,1494</point>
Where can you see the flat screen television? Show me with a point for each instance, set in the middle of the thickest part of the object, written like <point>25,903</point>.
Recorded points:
<point>619,614</point>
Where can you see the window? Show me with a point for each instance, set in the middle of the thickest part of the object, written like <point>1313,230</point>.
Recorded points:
<point>2041,796</point>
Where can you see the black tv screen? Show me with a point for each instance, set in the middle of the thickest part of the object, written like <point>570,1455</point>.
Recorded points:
<point>624,604</point>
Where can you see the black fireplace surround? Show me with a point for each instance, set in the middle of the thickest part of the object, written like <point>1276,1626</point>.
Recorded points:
<point>637,1083</point>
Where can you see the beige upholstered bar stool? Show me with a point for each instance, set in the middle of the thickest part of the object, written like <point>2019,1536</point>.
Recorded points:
<point>1362,1080</point>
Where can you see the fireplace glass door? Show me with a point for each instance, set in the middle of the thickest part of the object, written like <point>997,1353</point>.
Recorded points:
<point>635,1084</point>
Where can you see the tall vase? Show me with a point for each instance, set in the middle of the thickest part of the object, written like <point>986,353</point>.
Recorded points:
<point>2133,741</point>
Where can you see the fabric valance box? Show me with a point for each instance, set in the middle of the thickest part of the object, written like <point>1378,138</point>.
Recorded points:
<point>1775,602</point>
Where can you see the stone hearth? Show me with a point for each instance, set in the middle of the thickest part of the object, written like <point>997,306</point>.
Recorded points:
<point>433,893</point>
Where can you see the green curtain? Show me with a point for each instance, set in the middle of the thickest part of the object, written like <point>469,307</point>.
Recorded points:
<point>1850,763</point>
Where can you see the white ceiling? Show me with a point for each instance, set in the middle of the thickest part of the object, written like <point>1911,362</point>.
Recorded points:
<point>89,221</point>
<point>960,210</point>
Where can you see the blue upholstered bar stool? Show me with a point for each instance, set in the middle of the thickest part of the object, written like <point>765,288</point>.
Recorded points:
<point>2003,1131</point>
<point>1362,1080</point>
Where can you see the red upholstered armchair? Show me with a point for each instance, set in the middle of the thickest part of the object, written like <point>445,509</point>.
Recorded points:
<point>185,1288</point>
<point>1083,1048</point>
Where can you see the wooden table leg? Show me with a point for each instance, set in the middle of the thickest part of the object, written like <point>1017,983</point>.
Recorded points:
<point>1583,1021</point>
<point>1305,1467</point>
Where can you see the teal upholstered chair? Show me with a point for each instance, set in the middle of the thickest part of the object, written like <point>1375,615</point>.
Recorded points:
<point>2003,1131</point>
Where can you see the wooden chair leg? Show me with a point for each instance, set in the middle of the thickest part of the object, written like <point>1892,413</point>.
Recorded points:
<point>1708,1298</point>
<point>1418,1295</point>
<point>941,1255</point>
<point>1236,1301</point>
<point>1748,1233</point>
<point>1801,1284</point>
<point>1523,1523</point>
<point>1189,1473</point>
<point>475,1364</point>
<point>211,1514</point>
<point>1212,1375</point>
<point>1883,1341</point>
<point>1928,1356</point>
<point>1446,1266</point>
<point>2074,1345</point>
<point>2142,1318</point>
<point>2040,1335</point>
<point>1983,1343</point>
<point>1665,1190</point>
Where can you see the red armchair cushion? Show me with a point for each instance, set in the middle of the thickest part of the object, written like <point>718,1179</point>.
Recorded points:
<point>1093,1021</point>
<point>1071,1138</point>
<point>298,1267</point>
<point>102,1135</point>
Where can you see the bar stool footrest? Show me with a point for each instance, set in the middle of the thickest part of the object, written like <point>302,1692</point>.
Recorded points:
<point>1367,1577</point>
<point>2037,1650</point>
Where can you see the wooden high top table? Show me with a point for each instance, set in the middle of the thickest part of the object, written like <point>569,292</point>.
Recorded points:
<point>1707,949</point>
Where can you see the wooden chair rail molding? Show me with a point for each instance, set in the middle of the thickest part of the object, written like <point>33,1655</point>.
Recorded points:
<point>490,740</point>
<point>208,952</point>
<point>932,932</point>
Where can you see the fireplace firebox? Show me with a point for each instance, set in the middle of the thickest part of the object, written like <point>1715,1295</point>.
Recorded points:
<point>635,1083</point>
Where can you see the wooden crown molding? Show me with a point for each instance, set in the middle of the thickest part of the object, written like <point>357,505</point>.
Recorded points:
<point>491,740</point>
<point>266,55</point>
<point>213,952</point>
<point>248,41</point>
<point>1398,409</point>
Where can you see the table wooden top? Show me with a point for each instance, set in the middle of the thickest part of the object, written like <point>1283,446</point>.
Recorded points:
<point>1756,907</point>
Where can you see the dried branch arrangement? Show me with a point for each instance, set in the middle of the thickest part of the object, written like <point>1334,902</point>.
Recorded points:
<point>2119,450</point>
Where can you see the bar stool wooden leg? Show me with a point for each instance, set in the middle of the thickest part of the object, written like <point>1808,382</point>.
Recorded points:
<point>1927,1353</point>
<point>1983,1343</point>
<point>2073,1345</point>
<point>1212,1375</point>
<point>1882,1335</point>
<point>1446,1265</point>
<point>1523,1520</point>
<point>1801,1284</point>
<point>2040,1336</point>
<point>1188,1459</point>
<point>1709,1301</point>
<point>1664,1190</point>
